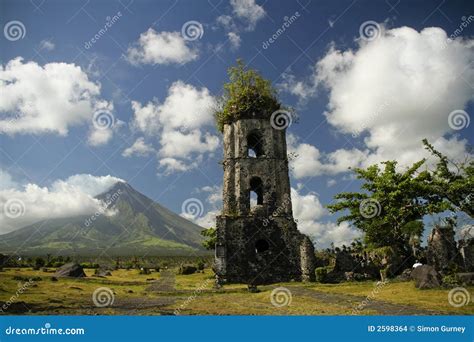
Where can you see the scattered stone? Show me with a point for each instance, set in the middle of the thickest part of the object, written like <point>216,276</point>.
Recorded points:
<point>54,279</point>
<point>145,270</point>
<point>406,275</point>
<point>129,291</point>
<point>253,289</point>
<point>70,270</point>
<point>102,272</point>
<point>426,277</point>
<point>466,278</point>
<point>187,269</point>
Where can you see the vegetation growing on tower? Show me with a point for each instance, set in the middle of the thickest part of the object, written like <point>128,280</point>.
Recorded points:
<point>246,95</point>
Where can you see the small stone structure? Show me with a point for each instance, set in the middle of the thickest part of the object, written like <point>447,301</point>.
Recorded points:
<point>257,238</point>
<point>442,252</point>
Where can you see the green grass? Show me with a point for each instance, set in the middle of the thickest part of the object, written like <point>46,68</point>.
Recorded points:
<point>196,295</point>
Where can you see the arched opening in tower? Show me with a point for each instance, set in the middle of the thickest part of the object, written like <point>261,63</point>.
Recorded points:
<point>261,246</point>
<point>256,191</point>
<point>254,145</point>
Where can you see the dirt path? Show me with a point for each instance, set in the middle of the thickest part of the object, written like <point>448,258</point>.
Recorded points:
<point>166,282</point>
<point>350,301</point>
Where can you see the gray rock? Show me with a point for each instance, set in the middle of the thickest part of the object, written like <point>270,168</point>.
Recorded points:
<point>70,270</point>
<point>466,278</point>
<point>426,277</point>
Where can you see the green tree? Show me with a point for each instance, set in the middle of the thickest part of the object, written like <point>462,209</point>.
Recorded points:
<point>453,181</point>
<point>210,240</point>
<point>247,93</point>
<point>391,206</point>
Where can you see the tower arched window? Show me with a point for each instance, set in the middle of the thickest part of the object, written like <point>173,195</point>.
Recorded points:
<point>256,191</point>
<point>254,144</point>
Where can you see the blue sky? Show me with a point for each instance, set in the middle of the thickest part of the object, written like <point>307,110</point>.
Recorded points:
<point>157,85</point>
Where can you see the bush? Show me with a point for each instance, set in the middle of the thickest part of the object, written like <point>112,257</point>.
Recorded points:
<point>321,274</point>
<point>246,94</point>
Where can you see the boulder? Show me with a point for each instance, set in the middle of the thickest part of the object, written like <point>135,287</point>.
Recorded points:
<point>187,269</point>
<point>102,272</point>
<point>466,278</point>
<point>426,277</point>
<point>405,276</point>
<point>71,269</point>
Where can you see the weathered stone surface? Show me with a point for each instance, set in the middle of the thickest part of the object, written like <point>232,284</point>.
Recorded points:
<point>187,269</point>
<point>102,272</point>
<point>259,244</point>
<point>442,251</point>
<point>466,278</point>
<point>405,275</point>
<point>426,277</point>
<point>466,249</point>
<point>70,270</point>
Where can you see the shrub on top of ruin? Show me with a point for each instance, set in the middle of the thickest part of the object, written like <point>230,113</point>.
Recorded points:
<point>246,95</point>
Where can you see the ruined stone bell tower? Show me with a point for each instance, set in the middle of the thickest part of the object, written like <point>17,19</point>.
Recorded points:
<point>257,237</point>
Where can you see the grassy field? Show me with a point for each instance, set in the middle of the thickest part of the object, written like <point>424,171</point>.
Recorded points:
<point>166,293</point>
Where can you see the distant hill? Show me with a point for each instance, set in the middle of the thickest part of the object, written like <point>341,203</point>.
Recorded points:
<point>139,227</point>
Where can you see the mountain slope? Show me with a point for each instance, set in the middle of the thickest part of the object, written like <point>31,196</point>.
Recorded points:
<point>138,227</point>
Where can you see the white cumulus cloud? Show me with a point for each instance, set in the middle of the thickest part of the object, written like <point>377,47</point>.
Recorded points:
<point>47,99</point>
<point>393,92</point>
<point>248,11</point>
<point>161,48</point>
<point>138,148</point>
<point>70,197</point>
<point>180,122</point>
